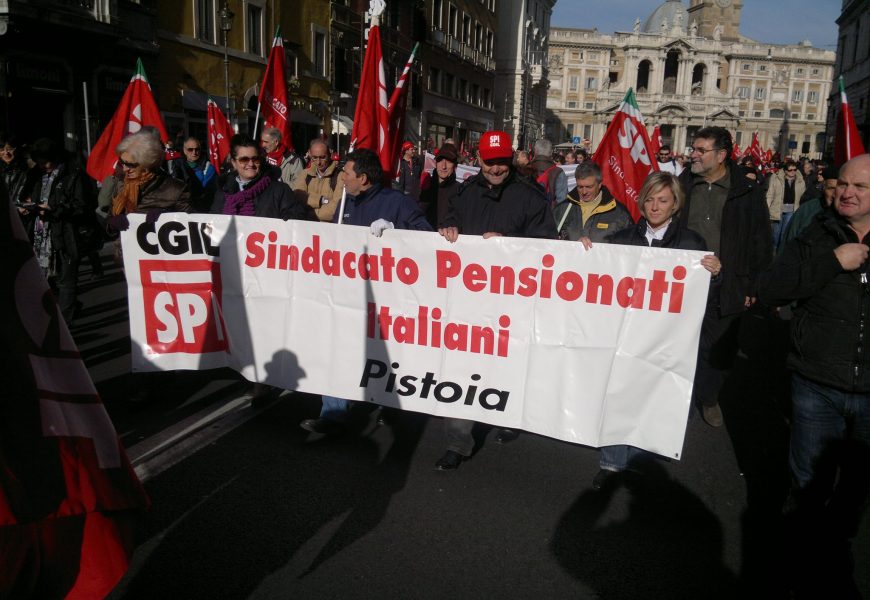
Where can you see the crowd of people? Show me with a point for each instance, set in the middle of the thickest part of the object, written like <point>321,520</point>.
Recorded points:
<point>789,238</point>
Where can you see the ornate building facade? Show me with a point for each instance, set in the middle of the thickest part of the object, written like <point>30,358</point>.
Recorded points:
<point>690,68</point>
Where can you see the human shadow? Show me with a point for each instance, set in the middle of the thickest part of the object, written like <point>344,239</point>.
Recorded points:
<point>667,545</point>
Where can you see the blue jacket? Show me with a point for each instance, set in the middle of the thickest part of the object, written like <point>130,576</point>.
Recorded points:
<point>378,202</point>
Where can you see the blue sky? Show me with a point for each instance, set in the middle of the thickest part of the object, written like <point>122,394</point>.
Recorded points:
<point>770,21</point>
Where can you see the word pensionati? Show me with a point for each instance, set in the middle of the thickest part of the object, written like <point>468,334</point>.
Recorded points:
<point>542,281</point>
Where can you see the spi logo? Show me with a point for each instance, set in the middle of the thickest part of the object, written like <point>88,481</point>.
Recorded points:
<point>183,306</point>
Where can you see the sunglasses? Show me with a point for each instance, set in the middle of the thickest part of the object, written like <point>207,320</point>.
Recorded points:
<point>243,160</point>
<point>192,150</point>
<point>129,165</point>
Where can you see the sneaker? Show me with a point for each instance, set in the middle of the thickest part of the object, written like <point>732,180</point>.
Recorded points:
<point>322,426</point>
<point>712,415</point>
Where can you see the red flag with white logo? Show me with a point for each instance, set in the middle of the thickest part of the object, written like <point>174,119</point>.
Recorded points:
<point>398,101</point>
<point>847,144</point>
<point>655,141</point>
<point>755,150</point>
<point>219,133</point>
<point>371,120</point>
<point>136,110</point>
<point>624,154</point>
<point>274,105</point>
<point>69,497</point>
<point>735,151</point>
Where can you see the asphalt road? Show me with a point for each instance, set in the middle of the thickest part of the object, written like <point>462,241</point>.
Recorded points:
<point>245,504</point>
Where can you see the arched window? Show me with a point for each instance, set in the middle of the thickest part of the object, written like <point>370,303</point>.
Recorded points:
<point>672,68</point>
<point>699,76</point>
<point>643,70</point>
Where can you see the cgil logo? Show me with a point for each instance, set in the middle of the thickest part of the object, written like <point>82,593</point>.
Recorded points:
<point>183,306</point>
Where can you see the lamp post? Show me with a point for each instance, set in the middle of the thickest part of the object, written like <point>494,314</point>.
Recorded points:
<point>226,17</point>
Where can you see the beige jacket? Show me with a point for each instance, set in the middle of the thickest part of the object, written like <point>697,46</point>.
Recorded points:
<point>322,193</point>
<point>776,192</point>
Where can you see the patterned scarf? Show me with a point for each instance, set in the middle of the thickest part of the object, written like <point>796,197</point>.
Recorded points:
<point>242,202</point>
<point>128,197</point>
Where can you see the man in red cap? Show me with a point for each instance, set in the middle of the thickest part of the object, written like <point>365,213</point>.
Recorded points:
<point>410,170</point>
<point>495,202</point>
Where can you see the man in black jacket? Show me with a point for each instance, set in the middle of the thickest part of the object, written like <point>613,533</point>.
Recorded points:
<point>825,269</point>
<point>495,202</point>
<point>730,213</point>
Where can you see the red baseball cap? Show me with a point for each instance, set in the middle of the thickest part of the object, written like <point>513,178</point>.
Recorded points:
<point>406,146</point>
<point>495,144</point>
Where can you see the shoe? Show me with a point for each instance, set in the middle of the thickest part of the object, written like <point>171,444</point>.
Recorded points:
<point>322,426</point>
<point>712,415</point>
<point>602,477</point>
<point>506,436</point>
<point>450,461</point>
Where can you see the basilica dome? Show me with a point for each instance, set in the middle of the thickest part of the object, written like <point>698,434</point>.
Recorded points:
<point>668,12</point>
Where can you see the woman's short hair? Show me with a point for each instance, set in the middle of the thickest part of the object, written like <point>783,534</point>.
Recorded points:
<point>144,148</point>
<point>658,181</point>
<point>240,140</point>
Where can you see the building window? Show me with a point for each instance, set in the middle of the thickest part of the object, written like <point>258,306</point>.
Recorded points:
<point>447,90</point>
<point>478,37</point>
<point>591,83</point>
<point>587,132</point>
<point>254,30</point>
<point>475,93</point>
<point>760,93</point>
<point>487,98</point>
<point>741,113</point>
<point>570,130</point>
<point>466,29</point>
<point>572,83</point>
<point>438,14</point>
<point>743,92</point>
<point>593,57</point>
<point>453,21</point>
<point>463,90</point>
<point>572,104</point>
<point>762,68</point>
<point>777,113</point>
<point>489,43</point>
<point>757,114</point>
<point>811,116</point>
<point>795,116</point>
<point>589,105</point>
<point>747,67</point>
<point>205,20</point>
<point>815,71</point>
<point>318,50</point>
<point>738,138</point>
<point>800,71</point>
<point>434,80</point>
<point>812,97</point>
<point>797,96</point>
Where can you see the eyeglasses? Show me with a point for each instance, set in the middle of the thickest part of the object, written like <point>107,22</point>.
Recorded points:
<point>319,157</point>
<point>192,150</point>
<point>703,151</point>
<point>243,160</point>
<point>129,165</point>
<point>791,170</point>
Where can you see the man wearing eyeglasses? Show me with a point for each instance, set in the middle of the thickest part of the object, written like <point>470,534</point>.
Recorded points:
<point>197,172</point>
<point>784,193</point>
<point>320,185</point>
<point>666,161</point>
<point>730,212</point>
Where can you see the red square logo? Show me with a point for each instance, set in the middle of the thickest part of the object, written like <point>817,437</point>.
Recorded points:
<point>183,310</point>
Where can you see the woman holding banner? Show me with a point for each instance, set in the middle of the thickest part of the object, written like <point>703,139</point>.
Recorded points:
<point>659,201</point>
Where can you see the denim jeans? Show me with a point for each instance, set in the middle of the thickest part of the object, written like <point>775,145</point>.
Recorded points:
<point>778,228</point>
<point>618,458</point>
<point>822,417</point>
<point>334,409</point>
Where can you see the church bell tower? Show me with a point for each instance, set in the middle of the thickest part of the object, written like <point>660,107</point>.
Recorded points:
<point>713,15</point>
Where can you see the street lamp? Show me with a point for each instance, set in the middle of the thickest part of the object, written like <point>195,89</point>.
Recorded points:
<point>226,16</point>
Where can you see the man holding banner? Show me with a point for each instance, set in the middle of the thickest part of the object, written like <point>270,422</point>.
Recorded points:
<point>730,213</point>
<point>495,202</point>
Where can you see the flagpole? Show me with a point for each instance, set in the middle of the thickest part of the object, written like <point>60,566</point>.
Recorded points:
<point>256,120</point>
<point>87,118</point>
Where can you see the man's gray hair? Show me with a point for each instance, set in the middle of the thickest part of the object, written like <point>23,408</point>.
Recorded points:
<point>274,133</point>
<point>543,147</point>
<point>588,169</point>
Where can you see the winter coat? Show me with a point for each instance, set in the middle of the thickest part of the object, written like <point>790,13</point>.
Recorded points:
<point>71,205</point>
<point>276,201</point>
<point>608,217</point>
<point>165,193</point>
<point>746,243</point>
<point>516,208</point>
<point>322,194</point>
<point>379,202</point>
<point>201,196</point>
<point>828,330</point>
<point>435,199</point>
<point>776,193</point>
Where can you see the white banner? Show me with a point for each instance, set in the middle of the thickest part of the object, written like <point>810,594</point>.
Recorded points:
<point>595,347</point>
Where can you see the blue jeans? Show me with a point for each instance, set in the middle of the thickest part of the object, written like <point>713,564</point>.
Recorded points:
<point>618,458</point>
<point>778,228</point>
<point>822,417</point>
<point>334,409</point>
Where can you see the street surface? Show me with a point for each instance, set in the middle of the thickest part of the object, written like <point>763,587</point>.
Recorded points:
<point>245,504</point>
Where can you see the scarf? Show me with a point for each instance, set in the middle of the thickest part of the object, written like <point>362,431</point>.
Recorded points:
<point>242,202</point>
<point>276,156</point>
<point>203,173</point>
<point>127,199</point>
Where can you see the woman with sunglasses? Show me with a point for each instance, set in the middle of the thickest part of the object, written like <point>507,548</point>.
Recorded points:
<point>144,187</point>
<point>252,189</point>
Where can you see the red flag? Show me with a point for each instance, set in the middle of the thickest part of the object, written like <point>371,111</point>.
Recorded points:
<point>398,100</point>
<point>273,93</point>
<point>847,144</point>
<point>371,120</point>
<point>69,497</point>
<point>656,141</point>
<point>137,109</point>
<point>735,151</point>
<point>624,154</point>
<point>768,156</point>
<point>755,149</point>
<point>219,133</point>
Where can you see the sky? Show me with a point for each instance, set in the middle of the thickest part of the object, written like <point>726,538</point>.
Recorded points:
<point>802,19</point>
